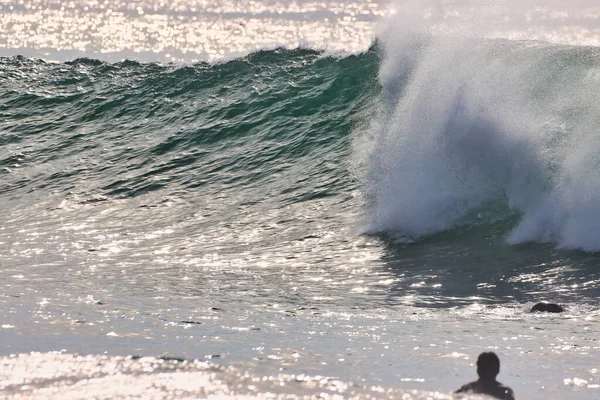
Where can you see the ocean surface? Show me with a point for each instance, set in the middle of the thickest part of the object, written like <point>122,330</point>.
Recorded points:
<point>254,199</point>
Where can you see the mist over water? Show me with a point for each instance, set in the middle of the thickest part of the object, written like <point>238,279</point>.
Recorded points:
<point>556,21</point>
<point>476,130</point>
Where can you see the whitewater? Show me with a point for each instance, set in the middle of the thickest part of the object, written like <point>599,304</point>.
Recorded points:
<point>263,199</point>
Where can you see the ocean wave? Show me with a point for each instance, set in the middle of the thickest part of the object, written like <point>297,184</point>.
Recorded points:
<point>131,128</point>
<point>470,124</point>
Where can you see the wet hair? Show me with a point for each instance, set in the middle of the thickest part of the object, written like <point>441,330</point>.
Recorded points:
<point>488,365</point>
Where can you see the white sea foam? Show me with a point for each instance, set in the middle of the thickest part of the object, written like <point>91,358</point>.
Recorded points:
<point>469,121</point>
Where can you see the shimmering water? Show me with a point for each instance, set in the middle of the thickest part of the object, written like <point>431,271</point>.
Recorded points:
<point>182,31</point>
<point>325,216</point>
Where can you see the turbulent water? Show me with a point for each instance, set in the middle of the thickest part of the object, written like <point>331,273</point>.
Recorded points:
<point>492,128</point>
<point>311,223</point>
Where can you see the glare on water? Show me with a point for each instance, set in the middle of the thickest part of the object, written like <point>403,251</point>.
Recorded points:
<point>182,31</point>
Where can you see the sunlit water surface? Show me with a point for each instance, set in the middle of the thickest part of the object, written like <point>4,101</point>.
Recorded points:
<point>316,300</point>
<point>182,31</point>
<point>282,298</point>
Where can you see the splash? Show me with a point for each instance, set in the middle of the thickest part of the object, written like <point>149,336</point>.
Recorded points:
<point>555,21</point>
<point>473,126</point>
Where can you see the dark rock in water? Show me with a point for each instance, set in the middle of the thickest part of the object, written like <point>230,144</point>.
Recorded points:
<point>547,307</point>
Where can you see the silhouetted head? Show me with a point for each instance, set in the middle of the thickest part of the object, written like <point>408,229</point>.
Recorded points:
<point>488,366</point>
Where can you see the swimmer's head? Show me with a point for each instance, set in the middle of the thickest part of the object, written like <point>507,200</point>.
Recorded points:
<point>488,365</point>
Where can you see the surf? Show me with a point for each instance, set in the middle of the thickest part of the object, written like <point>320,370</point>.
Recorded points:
<point>475,130</point>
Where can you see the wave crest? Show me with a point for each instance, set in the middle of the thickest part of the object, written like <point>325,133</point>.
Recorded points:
<point>467,124</point>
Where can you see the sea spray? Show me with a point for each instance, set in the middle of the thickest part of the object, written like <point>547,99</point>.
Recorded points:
<point>469,123</point>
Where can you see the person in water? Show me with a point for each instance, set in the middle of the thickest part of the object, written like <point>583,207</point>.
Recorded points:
<point>488,367</point>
